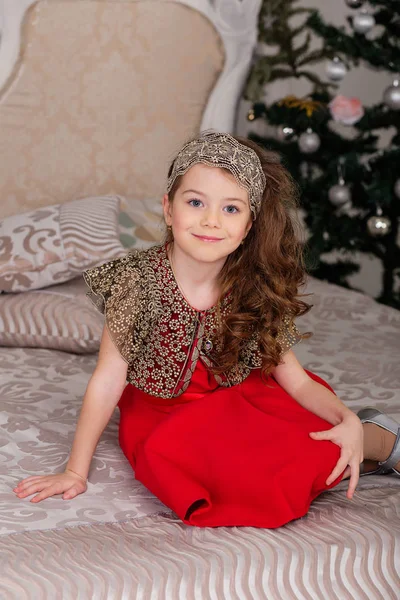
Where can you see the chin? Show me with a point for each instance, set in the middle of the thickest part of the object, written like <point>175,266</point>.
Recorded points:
<point>211,253</point>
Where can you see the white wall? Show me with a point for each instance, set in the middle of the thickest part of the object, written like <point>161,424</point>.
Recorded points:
<point>363,82</point>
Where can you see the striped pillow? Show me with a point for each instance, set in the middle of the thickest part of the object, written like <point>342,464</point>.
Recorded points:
<point>60,317</point>
<point>54,244</point>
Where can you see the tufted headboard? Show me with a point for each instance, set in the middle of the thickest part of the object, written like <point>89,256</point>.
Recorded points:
<point>96,96</point>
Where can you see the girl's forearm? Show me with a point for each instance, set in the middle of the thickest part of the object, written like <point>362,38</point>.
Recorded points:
<point>321,401</point>
<point>98,405</point>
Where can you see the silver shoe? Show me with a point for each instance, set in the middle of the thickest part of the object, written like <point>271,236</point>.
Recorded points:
<point>373,415</point>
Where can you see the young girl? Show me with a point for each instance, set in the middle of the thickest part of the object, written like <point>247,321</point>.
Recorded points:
<point>218,419</point>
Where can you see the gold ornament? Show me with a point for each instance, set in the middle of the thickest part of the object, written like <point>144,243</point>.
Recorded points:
<point>310,106</point>
<point>378,225</point>
<point>250,115</point>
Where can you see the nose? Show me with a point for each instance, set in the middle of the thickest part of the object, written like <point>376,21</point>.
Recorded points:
<point>211,218</point>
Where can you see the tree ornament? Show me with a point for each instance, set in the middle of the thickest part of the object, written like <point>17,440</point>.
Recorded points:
<point>336,69</point>
<point>354,3</point>
<point>284,133</point>
<point>340,194</point>
<point>363,22</point>
<point>391,97</point>
<point>346,110</point>
<point>307,104</point>
<point>378,226</point>
<point>397,188</point>
<point>250,115</point>
<point>309,141</point>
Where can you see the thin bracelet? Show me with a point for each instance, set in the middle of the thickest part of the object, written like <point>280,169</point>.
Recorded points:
<point>71,471</point>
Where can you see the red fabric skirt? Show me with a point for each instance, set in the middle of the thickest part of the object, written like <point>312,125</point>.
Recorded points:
<point>228,456</point>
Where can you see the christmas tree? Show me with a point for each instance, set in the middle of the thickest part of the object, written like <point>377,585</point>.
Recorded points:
<point>349,185</point>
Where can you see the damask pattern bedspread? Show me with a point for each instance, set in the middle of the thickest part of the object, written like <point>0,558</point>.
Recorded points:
<point>118,541</point>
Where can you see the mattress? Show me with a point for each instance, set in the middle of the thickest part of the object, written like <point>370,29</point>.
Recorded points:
<point>118,541</point>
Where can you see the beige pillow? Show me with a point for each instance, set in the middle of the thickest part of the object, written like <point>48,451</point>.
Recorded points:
<point>60,317</point>
<point>54,244</point>
<point>141,223</point>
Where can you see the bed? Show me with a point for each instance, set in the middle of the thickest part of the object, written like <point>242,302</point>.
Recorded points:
<point>94,93</point>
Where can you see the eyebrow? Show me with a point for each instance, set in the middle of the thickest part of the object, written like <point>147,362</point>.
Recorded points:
<point>202,194</point>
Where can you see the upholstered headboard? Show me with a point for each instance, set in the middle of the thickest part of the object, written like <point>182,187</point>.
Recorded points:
<point>96,96</point>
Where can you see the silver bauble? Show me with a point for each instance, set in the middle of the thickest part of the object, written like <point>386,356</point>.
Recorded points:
<point>339,194</point>
<point>309,142</point>
<point>391,97</point>
<point>397,188</point>
<point>354,3</point>
<point>336,69</point>
<point>378,226</point>
<point>363,22</point>
<point>284,133</point>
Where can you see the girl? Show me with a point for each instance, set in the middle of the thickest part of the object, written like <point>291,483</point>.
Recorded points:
<point>218,419</point>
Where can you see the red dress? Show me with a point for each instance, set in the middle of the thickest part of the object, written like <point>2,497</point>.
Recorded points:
<point>228,456</point>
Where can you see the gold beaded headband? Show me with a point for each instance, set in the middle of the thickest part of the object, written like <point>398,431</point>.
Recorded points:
<point>222,150</point>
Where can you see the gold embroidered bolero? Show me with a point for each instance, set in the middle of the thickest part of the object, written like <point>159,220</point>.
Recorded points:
<point>156,331</point>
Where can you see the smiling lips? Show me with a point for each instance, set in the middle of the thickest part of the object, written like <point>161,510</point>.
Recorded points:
<point>207,238</point>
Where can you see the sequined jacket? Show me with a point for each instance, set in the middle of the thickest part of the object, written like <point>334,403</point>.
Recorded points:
<point>156,331</point>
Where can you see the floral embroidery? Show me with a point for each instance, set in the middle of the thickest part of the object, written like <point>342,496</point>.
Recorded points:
<point>224,151</point>
<point>156,331</point>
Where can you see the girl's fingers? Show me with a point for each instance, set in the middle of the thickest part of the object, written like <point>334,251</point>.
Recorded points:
<point>354,478</point>
<point>340,466</point>
<point>347,472</point>
<point>50,491</point>
<point>321,435</point>
<point>31,489</point>
<point>29,480</point>
<point>46,493</point>
<point>69,494</point>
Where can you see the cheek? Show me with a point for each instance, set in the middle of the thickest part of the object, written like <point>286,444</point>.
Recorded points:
<point>242,228</point>
<point>181,219</point>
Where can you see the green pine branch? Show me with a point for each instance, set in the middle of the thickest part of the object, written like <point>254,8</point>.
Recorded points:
<point>371,176</point>
<point>390,5</point>
<point>377,53</point>
<point>290,58</point>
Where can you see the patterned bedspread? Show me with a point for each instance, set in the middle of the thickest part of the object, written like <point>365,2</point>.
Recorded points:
<point>118,541</point>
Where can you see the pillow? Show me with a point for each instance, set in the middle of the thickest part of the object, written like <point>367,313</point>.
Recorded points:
<point>141,223</point>
<point>60,317</point>
<point>54,244</point>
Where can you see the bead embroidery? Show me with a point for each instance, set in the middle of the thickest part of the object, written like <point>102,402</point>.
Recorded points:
<point>156,331</point>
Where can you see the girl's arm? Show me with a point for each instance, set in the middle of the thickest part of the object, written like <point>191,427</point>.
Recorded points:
<point>309,393</point>
<point>102,395</point>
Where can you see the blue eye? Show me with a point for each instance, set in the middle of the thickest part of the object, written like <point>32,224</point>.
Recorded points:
<point>194,202</point>
<point>231,209</point>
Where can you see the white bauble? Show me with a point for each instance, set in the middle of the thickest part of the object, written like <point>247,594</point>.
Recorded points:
<point>339,194</point>
<point>309,141</point>
<point>284,133</point>
<point>391,97</point>
<point>363,22</point>
<point>336,69</point>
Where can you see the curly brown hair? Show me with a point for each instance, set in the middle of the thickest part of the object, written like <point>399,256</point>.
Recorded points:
<point>266,271</point>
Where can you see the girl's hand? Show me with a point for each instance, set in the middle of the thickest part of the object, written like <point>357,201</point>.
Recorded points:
<point>68,484</point>
<point>349,435</point>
